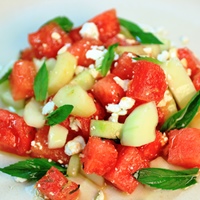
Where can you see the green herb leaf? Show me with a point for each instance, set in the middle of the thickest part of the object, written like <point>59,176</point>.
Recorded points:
<point>166,179</point>
<point>184,116</point>
<point>5,76</point>
<point>59,115</point>
<point>31,169</point>
<point>149,59</point>
<point>138,33</point>
<point>41,83</point>
<point>108,59</point>
<point>65,23</point>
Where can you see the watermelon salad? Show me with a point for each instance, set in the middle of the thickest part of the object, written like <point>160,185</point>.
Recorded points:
<point>91,107</point>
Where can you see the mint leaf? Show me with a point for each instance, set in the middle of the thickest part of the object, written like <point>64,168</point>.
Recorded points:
<point>138,33</point>
<point>65,23</point>
<point>41,83</point>
<point>149,59</point>
<point>5,76</point>
<point>184,116</point>
<point>108,59</point>
<point>59,115</point>
<point>167,179</point>
<point>31,169</point>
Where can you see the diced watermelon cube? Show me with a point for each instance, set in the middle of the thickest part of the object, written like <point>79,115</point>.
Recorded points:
<point>99,156</point>
<point>107,90</point>
<point>22,79</point>
<point>39,148</point>
<point>55,186</point>
<point>121,175</point>
<point>184,147</point>
<point>15,134</point>
<point>148,82</point>
<point>152,150</point>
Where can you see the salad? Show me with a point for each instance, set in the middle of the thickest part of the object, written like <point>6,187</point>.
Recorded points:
<point>90,108</point>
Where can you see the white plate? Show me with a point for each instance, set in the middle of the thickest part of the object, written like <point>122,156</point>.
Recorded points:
<point>18,18</point>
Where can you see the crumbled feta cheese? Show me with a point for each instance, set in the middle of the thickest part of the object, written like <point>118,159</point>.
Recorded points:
<point>74,146</point>
<point>113,108</point>
<point>122,83</point>
<point>96,52</point>
<point>89,30</point>
<point>126,103</point>
<point>36,144</point>
<point>167,97</point>
<point>163,56</point>
<point>55,36</point>
<point>164,139</point>
<point>114,117</point>
<point>48,108</point>
<point>74,124</point>
<point>120,109</point>
<point>130,55</point>
<point>64,48</point>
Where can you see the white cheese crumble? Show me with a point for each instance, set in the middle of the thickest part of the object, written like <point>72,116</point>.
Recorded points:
<point>120,109</point>
<point>122,83</point>
<point>36,144</point>
<point>96,52</point>
<point>74,124</point>
<point>167,97</point>
<point>163,56</point>
<point>89,30</point>
<point>75,146</point>
<point>56,36</point>
<point>64,48</point>
<point>48,108</point>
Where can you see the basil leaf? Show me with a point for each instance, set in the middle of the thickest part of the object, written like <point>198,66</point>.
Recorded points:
<point>5,76</point>
<point>31,169</point>
<point>184,116</point>
<point>138,33</point>
<point>149,59</point>
<point>59,115</point>
<point>166,179</point>
<point>41,83</point>
<point>65,23</point>
<point>108,59</point>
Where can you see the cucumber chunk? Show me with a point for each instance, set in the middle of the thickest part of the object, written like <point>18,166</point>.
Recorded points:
<point>139,127</point>
<point>84,79</point>
<point>105,129</point>
<point>179,82</point>
<point>75,95</point>
<point>62,73</point>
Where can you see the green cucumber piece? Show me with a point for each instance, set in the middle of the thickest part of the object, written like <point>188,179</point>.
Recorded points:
<point>179,82</point>
<point>139,127</point>
<point>105,129</point>
<point>84,79</point>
